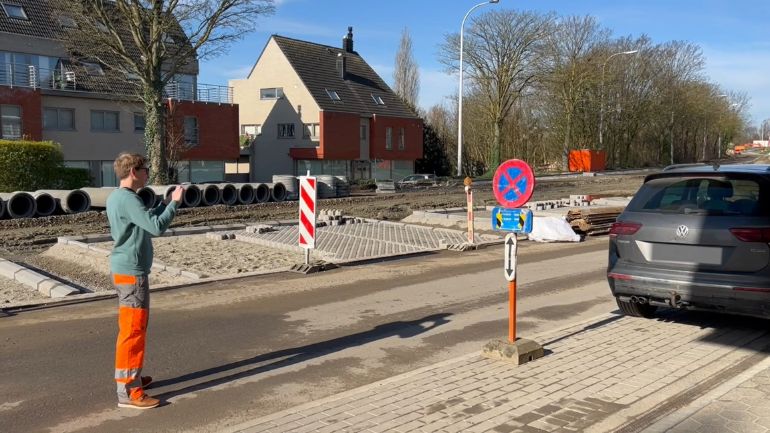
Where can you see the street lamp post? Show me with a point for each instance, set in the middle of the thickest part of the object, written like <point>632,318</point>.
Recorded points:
<point>460,93</point>
<point>601,95</point>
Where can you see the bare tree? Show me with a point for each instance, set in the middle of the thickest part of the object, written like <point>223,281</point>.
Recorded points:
<point>406,77</point>
<point>571,70</point>
<point>502,52</point>
<point>153,41</point>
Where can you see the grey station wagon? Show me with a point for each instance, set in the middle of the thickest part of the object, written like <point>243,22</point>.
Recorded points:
<point>695,237</point>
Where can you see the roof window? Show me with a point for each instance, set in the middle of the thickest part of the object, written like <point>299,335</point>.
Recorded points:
<point>67,21</point>
<point>93,68</point>
<point>333,95</point>
<point>377,100</point>
<point>15,11</point>
<point>101,26</point>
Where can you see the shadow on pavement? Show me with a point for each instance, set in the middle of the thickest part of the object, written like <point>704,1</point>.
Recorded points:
<point>296,355</point>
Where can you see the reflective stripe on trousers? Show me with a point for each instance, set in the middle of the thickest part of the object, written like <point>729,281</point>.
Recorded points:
<point>133,313</point>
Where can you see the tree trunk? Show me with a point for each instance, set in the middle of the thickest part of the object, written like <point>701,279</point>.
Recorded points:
<point>155,135</point>
<point>494,160</point>
<point>565,147</point>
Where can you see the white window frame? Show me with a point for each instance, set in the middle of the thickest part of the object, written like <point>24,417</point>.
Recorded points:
<point>401,139</point>
<point>270,93</point>
<point>58,126</point>
<point>286,131</point>
<point>333,95</point>
<point>13,7</point>
<point>13,119</point>
<point>103,113</point>
<point>257,129</point>
<point>388,138</point>
<point>377,100</point>
<point>191,132</point>
<point>311,131</point>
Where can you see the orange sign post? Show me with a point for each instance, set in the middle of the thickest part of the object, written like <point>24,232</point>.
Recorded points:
<point>512,186</point>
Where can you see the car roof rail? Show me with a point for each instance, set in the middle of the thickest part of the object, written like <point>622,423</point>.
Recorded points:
<point>685,165</point>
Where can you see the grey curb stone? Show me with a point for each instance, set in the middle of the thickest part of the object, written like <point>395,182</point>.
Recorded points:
<point>34,280</point>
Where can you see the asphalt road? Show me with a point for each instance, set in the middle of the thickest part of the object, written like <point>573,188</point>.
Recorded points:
<point>224,353</point>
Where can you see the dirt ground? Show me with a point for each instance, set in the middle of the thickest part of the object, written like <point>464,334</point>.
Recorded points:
<point>29,240</point>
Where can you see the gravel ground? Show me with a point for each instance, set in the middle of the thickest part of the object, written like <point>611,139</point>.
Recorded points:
<point>210,257</point>
<point>13,292</point>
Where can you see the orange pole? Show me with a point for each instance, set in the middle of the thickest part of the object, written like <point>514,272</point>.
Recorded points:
<point>512,311</point>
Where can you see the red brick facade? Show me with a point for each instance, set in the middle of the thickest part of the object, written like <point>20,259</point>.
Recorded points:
<point>31,109</point>
<point>412,138</point>
<point>217,129</point>
<point>340,138</point>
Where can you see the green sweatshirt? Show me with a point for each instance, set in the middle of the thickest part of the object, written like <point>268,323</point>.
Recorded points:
<point>132,227</point>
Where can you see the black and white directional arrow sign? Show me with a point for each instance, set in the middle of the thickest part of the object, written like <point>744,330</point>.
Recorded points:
<point>510,257</point>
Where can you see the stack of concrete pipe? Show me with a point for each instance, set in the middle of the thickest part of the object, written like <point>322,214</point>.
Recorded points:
<point>290,183</point>
<point>228,193</point>
<point>262,192</point>
<point>190,198</point>
<point>19,204</point>
<point>277,191</point>
<point>98,196</point>
<point>69,200</point>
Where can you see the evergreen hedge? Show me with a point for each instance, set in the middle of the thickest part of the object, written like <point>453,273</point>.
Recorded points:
<point>32,165</point>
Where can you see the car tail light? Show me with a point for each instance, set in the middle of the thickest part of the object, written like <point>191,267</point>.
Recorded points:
<point>624,228</point>
<point>761,234</point>
<point>617,276</point>
<point>752,289</point>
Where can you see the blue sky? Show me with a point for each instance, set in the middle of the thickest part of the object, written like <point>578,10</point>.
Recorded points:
<point>734,35</point>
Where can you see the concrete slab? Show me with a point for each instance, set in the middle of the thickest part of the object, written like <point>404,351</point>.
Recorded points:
<point>519,352</point>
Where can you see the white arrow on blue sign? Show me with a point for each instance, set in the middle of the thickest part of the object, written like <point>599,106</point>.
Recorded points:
<point>512,220</point>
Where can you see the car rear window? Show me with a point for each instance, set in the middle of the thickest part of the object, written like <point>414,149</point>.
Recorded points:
<point>708,195</point>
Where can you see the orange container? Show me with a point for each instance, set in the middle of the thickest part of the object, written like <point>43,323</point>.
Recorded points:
<point>587,160</point>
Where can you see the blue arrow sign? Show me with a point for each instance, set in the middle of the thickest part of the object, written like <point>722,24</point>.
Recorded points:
<point>512,220</point>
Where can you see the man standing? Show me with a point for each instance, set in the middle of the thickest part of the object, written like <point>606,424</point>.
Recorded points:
<point>132,227</point>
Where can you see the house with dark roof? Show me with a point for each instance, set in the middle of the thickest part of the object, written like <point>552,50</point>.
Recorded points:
<point>92,110</point>
<point>320,108</point>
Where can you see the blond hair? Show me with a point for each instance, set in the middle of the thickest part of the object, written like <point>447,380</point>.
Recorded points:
<point>125,162</point>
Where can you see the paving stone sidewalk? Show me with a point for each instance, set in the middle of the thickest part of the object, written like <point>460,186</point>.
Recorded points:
<point>613,373</point>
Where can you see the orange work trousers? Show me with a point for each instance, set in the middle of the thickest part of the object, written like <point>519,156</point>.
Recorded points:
<point>133,313</point>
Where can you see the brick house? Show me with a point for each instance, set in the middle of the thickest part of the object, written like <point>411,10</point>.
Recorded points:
<point>91,110</point>
<point>315,107</point>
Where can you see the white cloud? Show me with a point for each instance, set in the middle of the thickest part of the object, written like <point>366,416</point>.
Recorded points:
<point>437,87</point>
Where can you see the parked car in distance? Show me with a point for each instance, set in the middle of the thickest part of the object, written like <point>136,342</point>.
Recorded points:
<point>695,237</point>
<point>417,180</point>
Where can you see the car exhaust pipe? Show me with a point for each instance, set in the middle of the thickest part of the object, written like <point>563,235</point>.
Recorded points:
<point>261,192</point>
<point>45,204</point>
<point>19,204</point>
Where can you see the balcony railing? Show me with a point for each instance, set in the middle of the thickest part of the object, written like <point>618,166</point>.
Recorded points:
<point>18,75</point>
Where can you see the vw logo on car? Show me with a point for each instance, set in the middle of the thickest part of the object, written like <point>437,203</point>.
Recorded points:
<point>682,231</point>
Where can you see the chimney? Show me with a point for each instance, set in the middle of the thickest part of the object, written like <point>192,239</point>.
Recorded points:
<point>347,41</point>
<point>341,65</point>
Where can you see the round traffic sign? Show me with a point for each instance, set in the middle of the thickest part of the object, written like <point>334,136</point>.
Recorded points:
<point>513,183</point>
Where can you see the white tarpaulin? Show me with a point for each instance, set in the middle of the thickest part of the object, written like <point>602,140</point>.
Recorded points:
<point>552,229</point>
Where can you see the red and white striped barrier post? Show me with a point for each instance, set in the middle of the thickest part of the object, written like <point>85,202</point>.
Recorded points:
<point>469,196</point>
<point>307,214</point>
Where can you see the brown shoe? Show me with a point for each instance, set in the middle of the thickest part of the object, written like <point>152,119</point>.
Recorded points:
<point>146,381</point>
<point>143,402</point>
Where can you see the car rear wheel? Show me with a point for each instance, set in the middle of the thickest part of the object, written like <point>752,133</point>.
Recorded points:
<point>635,309</point>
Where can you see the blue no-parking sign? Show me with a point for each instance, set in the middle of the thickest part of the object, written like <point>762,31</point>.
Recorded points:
<point>513,183</point>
